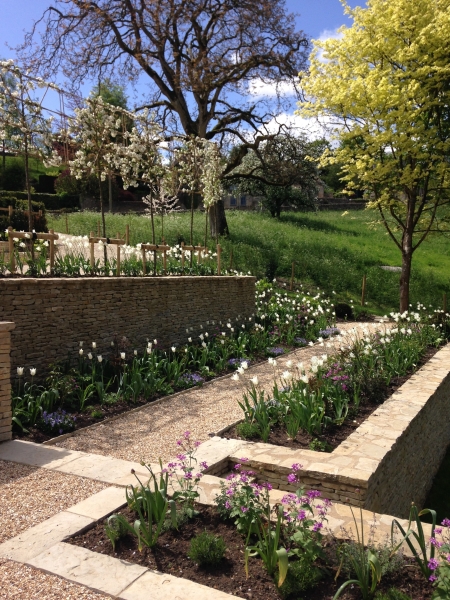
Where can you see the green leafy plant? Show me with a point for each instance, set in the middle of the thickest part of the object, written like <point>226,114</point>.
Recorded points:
<point>365,565</point>
<point>207,549</point>
<point>115,529</point>
<point>301,576</point>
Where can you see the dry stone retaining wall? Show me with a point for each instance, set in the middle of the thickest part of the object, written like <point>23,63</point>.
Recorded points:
<point>5,383</point>
<point>388,462</point>
<point>53,315</point>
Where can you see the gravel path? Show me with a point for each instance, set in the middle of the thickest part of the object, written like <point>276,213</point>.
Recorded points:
<point>152,432</point>
<point>30,495</point>
<point>18,582</point>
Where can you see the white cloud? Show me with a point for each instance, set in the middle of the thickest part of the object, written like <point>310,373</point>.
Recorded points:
<point>259,88</point>
<point>313,128</point>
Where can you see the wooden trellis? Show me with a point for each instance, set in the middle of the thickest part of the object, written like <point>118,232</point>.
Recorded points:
<point>25,235</point>
<point>155,248</point>
<point>108,242</point>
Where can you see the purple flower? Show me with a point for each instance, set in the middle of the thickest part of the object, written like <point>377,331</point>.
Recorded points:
<point>301,515</point>
<point>438,530</point>
<point>292,478</point>
<point>204,464</point>
<point>275,351</point>
<point>434,542</point>
<point>188,475</point>
<point>446,523</point>
<point>296,467</point>
<point>244,509</point>
<point>311,494</point>
<point>433,564</point>
<point>432,578</point>
<point>317,526</point>
<point>227,505</point>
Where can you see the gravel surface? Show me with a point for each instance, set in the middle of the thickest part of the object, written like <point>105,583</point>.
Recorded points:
<point>30,495</point>
<point>18,582</point>
<point>152,433</point>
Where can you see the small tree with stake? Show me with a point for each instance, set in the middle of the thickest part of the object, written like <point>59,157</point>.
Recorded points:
<point>22,121</point>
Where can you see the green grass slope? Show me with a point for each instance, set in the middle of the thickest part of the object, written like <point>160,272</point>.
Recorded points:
<point>330,251</point>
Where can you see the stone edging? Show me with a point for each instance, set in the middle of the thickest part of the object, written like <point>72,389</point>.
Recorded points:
<point>388,461</point>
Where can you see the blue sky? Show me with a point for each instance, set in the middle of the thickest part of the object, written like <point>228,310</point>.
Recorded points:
<point>318,18</point>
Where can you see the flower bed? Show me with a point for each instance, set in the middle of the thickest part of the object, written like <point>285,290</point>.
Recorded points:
<point>98,384</point>
<point>252,548</point>
<point>319,409</point>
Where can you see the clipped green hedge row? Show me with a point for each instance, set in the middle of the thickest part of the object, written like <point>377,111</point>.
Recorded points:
<point>49,201</point>
<point>19,219</point>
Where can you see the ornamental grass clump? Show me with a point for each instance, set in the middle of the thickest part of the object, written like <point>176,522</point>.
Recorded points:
<point>207,549</point>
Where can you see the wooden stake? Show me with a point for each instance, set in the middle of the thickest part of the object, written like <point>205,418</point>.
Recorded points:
<point>67,224</point>
<point>10,211</point>
<point>164,259</point>
<point>445,303</point>
<point>12,258</point>
<point>92,251</point>
<point>118,257</point>
<point>127,235</point>
<point>144,263</point>
<point>219,252</point>
<point>52,251</point>
<point>231,259</point>
<point>363,291</point>
<point>98,228</point>
<point>182,257</point>
<point>291,287</point>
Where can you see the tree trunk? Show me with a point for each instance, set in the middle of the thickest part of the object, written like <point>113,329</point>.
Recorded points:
<point>407,253</point>
<point>217,220</point>
<point>110,193</point>
<point>405,277</point>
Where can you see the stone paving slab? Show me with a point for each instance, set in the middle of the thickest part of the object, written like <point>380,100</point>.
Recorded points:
<point>96,571</point>
<point>100,505</point>
<point>160,586</point>
<point>37,455</point>
<point>44,536</point>
<point>92,466</point>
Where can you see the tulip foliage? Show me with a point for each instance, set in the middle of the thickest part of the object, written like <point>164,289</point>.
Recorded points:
<point>384,85</point>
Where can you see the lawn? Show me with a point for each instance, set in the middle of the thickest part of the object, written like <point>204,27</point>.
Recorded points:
<point>330,251</point>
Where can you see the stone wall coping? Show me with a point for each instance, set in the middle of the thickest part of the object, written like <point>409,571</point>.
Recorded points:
<point>98,280</point>
<point>7,326</point>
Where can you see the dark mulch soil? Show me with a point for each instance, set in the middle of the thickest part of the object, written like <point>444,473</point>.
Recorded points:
<point>334,435</point>
<point>170,556</point>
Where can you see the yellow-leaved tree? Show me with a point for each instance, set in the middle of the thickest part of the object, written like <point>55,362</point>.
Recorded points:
<point>384,85</point>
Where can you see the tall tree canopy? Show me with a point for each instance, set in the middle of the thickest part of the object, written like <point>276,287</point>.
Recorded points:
<point>386,85</point>
<point>199,56</point>
<point>282,170</point>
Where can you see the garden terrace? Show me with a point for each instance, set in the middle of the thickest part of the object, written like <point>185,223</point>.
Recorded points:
<point>390,459</point>
<point>53,315</point>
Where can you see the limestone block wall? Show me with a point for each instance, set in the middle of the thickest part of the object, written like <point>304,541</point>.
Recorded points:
<point>5,381</point>
<point>53,315</point>
<point>388,462</point>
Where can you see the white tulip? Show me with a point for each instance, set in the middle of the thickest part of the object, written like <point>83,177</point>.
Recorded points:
<point>94,345</point>
<point>235,377</point>
<point>20,371</point>
<point>122,355</point>
<point>99,358</point>
<point>244,364</point>
<point>90,356</point>
<point>254,380</point>
<point>80,351</point>
<point>32,372</point>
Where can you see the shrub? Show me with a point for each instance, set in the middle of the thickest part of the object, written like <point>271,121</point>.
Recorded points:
<point>13,177</point>
<point>207,549</point>
<point>301,576</point>
<point>247,430</point>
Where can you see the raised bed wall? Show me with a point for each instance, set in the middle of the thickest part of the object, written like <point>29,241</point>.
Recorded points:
<point>53,315</point>
<point>5,383</point>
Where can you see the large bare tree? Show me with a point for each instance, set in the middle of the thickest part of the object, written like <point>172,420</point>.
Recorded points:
<point>200,57</point>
